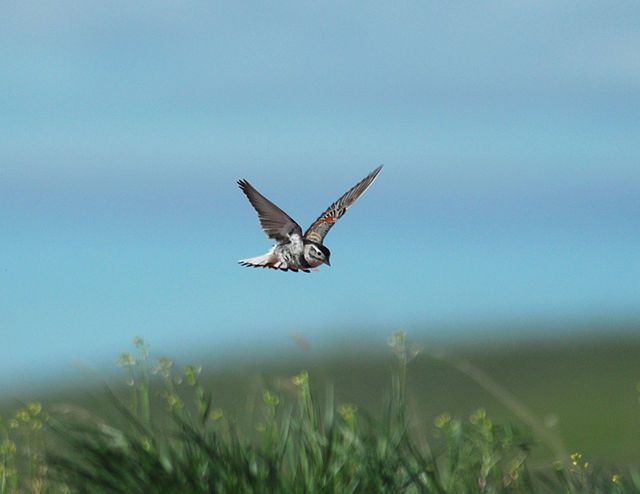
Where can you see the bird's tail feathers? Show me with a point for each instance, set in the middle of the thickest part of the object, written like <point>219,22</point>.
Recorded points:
<point>267,260</point>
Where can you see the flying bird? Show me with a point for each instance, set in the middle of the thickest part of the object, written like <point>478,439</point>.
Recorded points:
<point>294,250</point>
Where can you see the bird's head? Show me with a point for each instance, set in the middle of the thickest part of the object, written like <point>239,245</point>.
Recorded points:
<point>316,254</point>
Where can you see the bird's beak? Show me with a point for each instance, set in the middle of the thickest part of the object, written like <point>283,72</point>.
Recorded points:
<point>327,262</point>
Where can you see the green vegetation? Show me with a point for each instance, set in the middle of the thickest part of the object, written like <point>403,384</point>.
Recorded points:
<point>168,434</point>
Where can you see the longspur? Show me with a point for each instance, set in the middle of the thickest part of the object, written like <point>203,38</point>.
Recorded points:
<point>294,250</point>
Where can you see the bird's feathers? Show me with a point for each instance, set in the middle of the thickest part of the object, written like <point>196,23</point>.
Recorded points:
<point>289,252</point>
<point>277,224</point>
<point>269,260</point>
<point>319,229</point>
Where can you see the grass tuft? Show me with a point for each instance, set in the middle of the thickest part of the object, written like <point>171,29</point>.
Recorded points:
<point>166,436</point>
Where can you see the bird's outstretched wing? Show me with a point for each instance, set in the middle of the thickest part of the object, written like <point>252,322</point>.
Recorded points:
<point>319,229</point>
<point>277,224</point>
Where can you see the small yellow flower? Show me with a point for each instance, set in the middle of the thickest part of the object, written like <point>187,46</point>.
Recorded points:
<point>270,398</point>
<point>576,458</point>
<point>348,412</point>
<point>126,360</point>
<point>616,479</point>
<point>34,408</point>
<point>163,367</point>
<point>8,472</point>
<point>165,362</point>
<point>301,379</point>
<point>397,339</point>
<point>173,400</point>
<point>146,443</point>
<point>401,348</point>
<point>23,416</point>
<point>8,447</point>
<point>480,415</point>
<point>191,373</point>
<point>442,420</point>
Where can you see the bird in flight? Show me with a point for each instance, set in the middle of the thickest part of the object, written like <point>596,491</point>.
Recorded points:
<point>294,250</point>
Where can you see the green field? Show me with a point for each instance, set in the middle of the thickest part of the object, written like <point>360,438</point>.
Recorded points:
<point>585,392</point>
<point>568,395</point>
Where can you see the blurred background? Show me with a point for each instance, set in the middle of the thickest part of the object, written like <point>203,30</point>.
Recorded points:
<point>507,211</point>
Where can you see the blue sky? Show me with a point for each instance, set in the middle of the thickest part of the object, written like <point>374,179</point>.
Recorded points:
<point>509,134</point>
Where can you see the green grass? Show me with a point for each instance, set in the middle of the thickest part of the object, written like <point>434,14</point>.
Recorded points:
<point>168,433</point>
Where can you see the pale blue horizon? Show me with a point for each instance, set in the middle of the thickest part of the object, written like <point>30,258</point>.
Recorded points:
<point>509,136</point>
